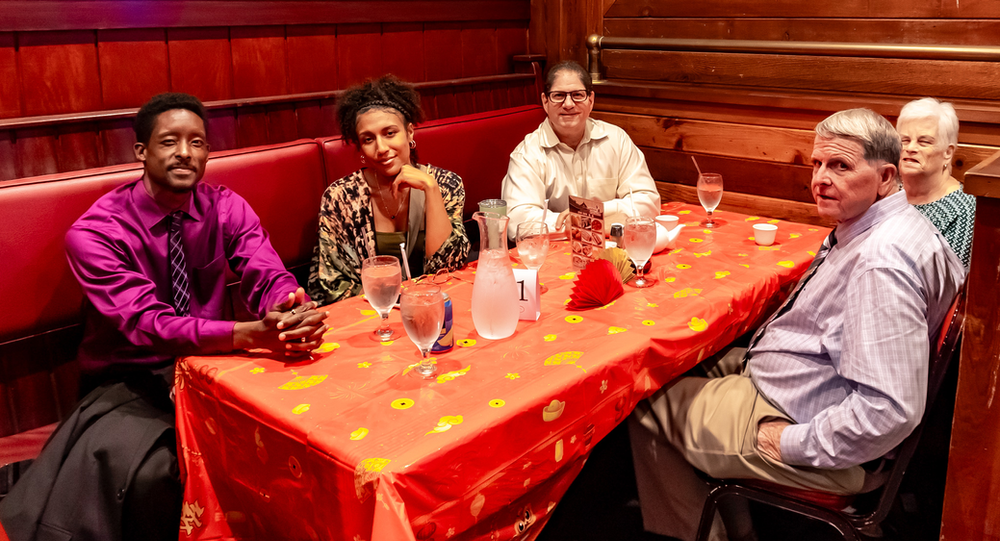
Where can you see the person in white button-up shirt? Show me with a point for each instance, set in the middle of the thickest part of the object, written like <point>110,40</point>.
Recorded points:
<point>573,154</point>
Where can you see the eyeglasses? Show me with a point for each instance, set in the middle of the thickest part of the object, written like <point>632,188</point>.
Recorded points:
<point>560,97</point>
<point>439,278</point>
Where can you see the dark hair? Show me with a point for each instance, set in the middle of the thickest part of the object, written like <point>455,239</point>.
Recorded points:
<point>387,93</point>
<point>161,103</point>
<point>572,67</point>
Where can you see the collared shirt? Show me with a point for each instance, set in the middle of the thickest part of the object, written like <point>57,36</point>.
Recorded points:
<point>606,166</point>
<point>848,361</point>
<point>118,252</point>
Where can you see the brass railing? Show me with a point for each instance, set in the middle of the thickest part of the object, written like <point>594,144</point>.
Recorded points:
<point>596,44</point>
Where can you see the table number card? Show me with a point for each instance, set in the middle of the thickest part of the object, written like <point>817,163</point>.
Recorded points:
<point>586,229</point>
<point>531,294</point>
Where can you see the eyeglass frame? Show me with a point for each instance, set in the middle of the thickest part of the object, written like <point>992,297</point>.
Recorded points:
<point>568,94</point>
<point>441,277</point>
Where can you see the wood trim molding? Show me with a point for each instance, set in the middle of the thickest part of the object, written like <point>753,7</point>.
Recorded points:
<point>119,114</point>
<point>38,15</point>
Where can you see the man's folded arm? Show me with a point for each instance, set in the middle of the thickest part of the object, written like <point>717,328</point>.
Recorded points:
<point>885,356</point>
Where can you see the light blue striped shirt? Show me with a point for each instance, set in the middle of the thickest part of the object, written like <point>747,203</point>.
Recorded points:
<point>848,361</point>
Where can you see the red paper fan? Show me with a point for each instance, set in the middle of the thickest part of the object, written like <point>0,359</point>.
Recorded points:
<point>596,285</point>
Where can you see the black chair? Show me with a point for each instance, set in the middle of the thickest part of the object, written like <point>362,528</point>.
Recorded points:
<point>832,508</point>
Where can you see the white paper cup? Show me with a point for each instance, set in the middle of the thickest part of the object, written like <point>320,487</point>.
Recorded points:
<point>668,221</point>
<point>763,234</point>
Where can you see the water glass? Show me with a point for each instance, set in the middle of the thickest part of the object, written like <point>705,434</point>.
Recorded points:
<point>532,243</point>
<point>381,278</point>
<point>497,206</point>
<point>710,194</point>
<point>640,239</point>
<point>422,306</point>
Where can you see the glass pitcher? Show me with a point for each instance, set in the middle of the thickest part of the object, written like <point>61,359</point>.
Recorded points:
<point>495,307</point>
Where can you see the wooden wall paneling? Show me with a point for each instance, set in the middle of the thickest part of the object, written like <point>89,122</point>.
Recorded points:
<point>768,179</point>
<point>309,119</point>
<point>259,61</point>
<point>35,152</point>
<point>971,508</point>
<point>25,15</point>
<point>863,30</point>
<point>501,95</point>
<point>719,138</point>
<point>447,104</point>
<point>59,72</point>
<point>7,416</point>
<point>465,100</point>
<point>794,8</point>
<point>359,53</point>
<point>442,53</point>
<point>117,142</point>
<point>282,125</point>
<point>10,92</point>
<point>222,129</point>
<point>428,103</point>
<point>78,147</point>
<point>312,58</point>
<point>403,51</point>
<point>251,124</point>
<point>8,156</point>
<point>62,345</point>
<point>512,39</point>
<point>328,108</point>
<point>134,66</point>
<point>484,96</point>
<point>201,62</point>
<point>878,75</point>
<point>479,49</point>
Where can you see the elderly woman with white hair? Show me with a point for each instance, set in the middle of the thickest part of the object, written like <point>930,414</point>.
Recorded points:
<point>928,130</point>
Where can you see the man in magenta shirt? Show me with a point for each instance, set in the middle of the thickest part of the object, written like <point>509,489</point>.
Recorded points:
<point>151,257</point>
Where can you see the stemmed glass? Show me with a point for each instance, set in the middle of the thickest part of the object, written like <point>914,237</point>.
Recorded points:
<point>381,278</point>
<point>423,315</point>
<point>710,194</point>
<point>532,244</point>
<point>640,239</point>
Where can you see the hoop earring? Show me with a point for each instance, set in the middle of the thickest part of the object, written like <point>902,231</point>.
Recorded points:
<point>363,162</point>
<point>413,143</point>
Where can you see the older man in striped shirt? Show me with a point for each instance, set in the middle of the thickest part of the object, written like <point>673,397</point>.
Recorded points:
<point>838,376</point>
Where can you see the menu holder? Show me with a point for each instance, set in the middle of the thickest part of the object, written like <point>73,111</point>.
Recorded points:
<point>531,294</point>
<point>586,230</point>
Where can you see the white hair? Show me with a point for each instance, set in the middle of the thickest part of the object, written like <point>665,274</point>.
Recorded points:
<point>944,112</point>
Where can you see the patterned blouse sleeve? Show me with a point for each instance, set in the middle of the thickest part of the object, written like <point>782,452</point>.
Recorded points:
<point>334,271</point>
<point>453,253</point>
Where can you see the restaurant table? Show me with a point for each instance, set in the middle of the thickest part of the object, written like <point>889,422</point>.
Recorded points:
<point>351,444</point>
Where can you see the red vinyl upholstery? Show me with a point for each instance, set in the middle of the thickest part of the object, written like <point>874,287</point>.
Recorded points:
<point>283,183</point>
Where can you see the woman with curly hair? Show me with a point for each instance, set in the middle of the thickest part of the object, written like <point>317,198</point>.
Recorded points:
<point>391,199</point>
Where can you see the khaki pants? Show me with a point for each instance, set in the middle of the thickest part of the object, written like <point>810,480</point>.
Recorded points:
<point>710,424</point>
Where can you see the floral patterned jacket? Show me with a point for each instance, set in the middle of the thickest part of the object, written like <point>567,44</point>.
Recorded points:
<point>347,234</point>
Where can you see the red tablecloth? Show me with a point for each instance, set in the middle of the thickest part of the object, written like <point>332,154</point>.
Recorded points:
<point>351,445</point>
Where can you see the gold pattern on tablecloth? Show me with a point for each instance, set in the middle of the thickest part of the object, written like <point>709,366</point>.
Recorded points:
<point>448,376</point>
<point>366,476</point>
<point>445,424</point>
<point>191,516</point>
<point>302,382</point>
<point>359,434</point>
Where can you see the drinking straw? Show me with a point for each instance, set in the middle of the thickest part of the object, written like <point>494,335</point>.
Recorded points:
<point>696,168</point>
<point>406,264</point>
<point>631,201</point>
<point>545,209</point>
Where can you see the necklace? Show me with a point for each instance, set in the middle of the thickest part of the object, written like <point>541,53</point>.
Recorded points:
<point>378,195</point>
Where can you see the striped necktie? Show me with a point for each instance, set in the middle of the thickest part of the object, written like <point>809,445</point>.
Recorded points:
<point>824,250</point>
<point>178,266</point>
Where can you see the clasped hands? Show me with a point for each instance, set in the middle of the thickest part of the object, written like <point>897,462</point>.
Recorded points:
<point>293,326</point>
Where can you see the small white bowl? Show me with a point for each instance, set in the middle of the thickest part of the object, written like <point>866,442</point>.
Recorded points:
<point>668,221</point>
<point>763,234</point>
